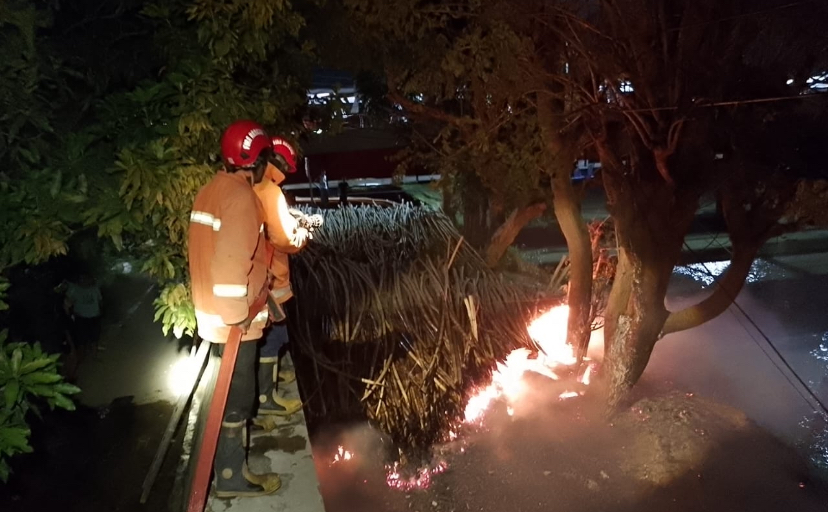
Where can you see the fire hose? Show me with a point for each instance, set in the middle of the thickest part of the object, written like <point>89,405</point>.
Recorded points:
<point>207,452</point>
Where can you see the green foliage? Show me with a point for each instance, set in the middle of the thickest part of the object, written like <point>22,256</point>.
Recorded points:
<point>4,290</point>
<point>83,150</point>
<point>226,61</point>
<point>41,193</point>
<point>28,376</point>
<point>30,80</point>
<point>174,308</point>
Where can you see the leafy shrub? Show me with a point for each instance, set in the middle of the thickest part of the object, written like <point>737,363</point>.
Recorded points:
<point>28,377</point>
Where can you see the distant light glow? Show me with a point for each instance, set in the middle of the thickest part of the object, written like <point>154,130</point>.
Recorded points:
<point>821,352</point>
<point>705,273</point>
<point>122,267</point>
<point>816,82</point>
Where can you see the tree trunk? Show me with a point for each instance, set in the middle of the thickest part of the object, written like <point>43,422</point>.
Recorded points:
<point>618,299</point>
<point>475,211</point>
<point>635,329</point>
<point>579,296</point>
<point>560,155</point>
<point>651,221</point>
<point>509,230</point>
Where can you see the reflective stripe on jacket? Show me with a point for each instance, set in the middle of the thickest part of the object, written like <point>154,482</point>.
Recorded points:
<point>280,228</point>
<point>228,257</point>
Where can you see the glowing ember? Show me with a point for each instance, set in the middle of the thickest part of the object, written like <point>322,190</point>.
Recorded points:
<point>549,332</point>
<point>584,379</point>
<point>421,480</point>
<point>342,455</point>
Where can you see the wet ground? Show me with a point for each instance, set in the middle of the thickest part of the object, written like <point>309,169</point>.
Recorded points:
<point>92,460</point>
<point>757,355</point>
<point>672,452</point>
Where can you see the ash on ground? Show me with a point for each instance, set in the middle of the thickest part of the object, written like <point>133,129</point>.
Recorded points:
<point>668,451</point>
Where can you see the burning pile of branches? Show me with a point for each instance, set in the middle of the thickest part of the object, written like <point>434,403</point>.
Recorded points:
<point>396,320</point>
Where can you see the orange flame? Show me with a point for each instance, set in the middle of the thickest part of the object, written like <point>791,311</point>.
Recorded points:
<point>549,332</point>
<point>342,455</point>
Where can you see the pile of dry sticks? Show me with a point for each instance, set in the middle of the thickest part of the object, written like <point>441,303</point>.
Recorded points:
<point>397,320</point>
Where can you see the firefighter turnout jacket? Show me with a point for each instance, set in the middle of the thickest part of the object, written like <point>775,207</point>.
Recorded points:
<point>280,228</point>
<point>228,257</point>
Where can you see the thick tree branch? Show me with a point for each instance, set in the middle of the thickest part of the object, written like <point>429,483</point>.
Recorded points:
<point>661,155</point>
<point>509,230</point>
<point>727,288</point>
<point>752,229</point>
<point>426,111</point>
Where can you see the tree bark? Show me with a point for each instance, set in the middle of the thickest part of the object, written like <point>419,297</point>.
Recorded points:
<point>560,155</point>
<point>579,296</point>
<point>650,222</point>
<point>475,206</point>
<point>618,298</point>
<point>509,230</point>
<point>636,331</point>
<point>727,288</point>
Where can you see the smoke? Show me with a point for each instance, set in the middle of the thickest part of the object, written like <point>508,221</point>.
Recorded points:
<point>345,454</point>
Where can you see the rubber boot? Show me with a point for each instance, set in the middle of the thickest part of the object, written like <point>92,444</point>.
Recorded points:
<point>270,403</point>
<point>284,376</point>
<point>233,478</point>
